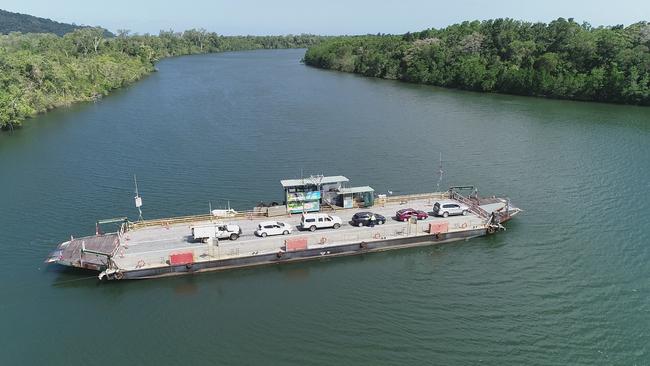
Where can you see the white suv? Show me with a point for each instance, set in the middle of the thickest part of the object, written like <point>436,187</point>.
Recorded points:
<point>313,221</point>
<point>450,207</point>
<point>272,228</point>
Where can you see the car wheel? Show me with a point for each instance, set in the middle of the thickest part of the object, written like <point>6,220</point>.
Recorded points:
<point>312,228</point>
<point>263,235</point>
<point>380,222</point>
<point>286,232</point>
<point>464,212</point>
<point>234,236</point>
<point>405,219</point>
<point>336,226</point>
<point>445,214</point>
<point>360,224</point>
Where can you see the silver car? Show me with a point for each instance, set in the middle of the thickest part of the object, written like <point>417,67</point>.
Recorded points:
<point>273,228</point>
<point>450,208</point>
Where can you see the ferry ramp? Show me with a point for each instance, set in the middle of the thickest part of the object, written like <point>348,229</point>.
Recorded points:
<point>89,252</point>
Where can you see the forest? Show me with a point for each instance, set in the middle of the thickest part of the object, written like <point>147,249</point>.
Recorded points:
<point>40,71</point>
<point>24,23</point>
<point>561,59</point>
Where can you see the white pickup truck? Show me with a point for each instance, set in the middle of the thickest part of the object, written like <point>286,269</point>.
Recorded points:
<point>219,231</point>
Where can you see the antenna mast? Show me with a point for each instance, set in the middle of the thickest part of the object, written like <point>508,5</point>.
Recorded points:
<point>440,172</point>
<point>138,199</point>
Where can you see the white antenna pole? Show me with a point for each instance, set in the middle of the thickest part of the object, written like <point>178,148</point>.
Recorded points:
<point>138,199</point>
<point>440,172</point>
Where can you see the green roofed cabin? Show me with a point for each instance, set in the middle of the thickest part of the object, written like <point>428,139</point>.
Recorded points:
<point>308,194</point>
<point>356,197</point>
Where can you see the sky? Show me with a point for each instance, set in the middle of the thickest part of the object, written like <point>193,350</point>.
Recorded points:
<point>329,17</point>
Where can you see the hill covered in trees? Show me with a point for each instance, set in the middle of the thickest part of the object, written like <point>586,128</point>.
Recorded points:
<point>562,59</point>
<point>42,71</point>
<point>23,23</point>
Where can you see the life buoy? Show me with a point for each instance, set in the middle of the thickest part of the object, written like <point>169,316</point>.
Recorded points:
<point>376,236</point>
<point>323,240</point>
<point>140,264</point>
<point>363,245</point>
<point>279,254</point>
<point>464,225</point>
<point>119,275</point>
<point>491,230</point>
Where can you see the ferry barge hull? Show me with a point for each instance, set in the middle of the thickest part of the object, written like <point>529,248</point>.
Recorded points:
<point>167,247</point>
<point>304,255</point>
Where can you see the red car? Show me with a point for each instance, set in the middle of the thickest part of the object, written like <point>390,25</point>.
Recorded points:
<point>406,213</point>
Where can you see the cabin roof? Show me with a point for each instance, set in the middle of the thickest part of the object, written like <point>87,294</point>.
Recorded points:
<point>353,190</point>
<point>312,181</point>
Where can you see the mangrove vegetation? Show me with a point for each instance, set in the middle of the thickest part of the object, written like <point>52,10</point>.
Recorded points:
<point>562,59</point>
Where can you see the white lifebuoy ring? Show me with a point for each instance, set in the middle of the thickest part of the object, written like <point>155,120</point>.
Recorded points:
<point>377,236</point>
<point>323,240</point>
<point>140,264</point>
<point>464,225</point>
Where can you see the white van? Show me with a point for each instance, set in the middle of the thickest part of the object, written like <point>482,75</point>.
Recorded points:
<point>313,221</point>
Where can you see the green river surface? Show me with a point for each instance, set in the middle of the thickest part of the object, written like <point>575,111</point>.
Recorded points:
<point>566,284</point>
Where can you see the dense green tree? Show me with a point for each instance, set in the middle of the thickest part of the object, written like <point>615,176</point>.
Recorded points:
<point>15,22</point>
<point>561,59</point>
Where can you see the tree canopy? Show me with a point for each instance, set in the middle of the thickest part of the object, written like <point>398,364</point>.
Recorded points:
<point>561,59</point>
<point>23,23</point>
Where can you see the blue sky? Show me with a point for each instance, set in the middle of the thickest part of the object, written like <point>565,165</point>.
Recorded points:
<point>319,17</point>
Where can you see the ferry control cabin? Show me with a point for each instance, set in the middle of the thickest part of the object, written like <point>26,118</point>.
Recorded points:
<point>309,194</point>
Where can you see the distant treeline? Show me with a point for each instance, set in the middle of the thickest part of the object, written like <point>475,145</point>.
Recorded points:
<point>24,23</point>
<point>42,71</point>
<point>562,59</point>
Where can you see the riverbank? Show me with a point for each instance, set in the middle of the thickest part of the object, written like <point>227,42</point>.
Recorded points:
<point>44,71</point>
<point>562,59</point>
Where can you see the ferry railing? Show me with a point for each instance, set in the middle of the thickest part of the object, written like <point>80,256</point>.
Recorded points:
<point>191,219</point>
<point>258,214</point>
<point>473,207</point>
<point>413,197</point>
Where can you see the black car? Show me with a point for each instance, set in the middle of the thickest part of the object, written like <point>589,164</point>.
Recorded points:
<point>367,218</point>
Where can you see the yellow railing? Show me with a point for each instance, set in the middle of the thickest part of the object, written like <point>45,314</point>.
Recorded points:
<point>257,214</point>
<point>191,219</point>
<point>413,197</point>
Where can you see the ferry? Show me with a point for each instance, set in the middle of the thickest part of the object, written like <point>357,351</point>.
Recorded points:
<point>228,239</point>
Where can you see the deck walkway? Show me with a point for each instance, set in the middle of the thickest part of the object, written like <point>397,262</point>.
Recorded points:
<point>151,246</point>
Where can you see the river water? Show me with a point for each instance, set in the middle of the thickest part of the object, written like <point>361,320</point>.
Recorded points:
<point>567,283</point>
